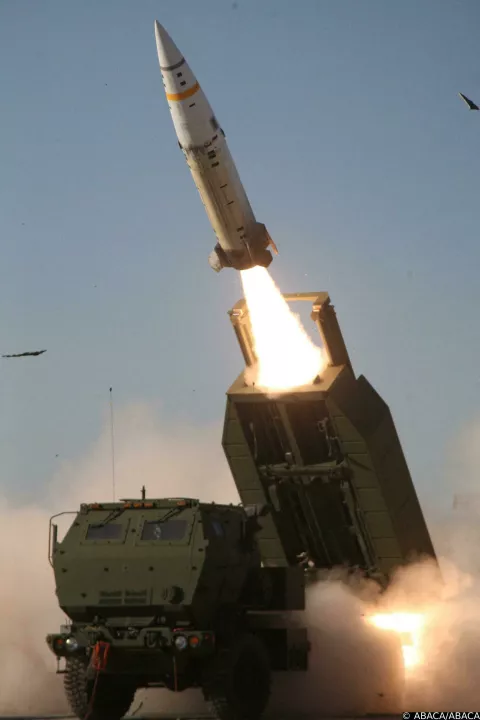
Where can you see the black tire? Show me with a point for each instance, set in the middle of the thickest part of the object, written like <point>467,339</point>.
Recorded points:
<point>108,698</point>
<point>238,685</point>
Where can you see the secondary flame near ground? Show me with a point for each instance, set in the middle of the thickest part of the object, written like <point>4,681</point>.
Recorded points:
<point>287,358</point>
<point>409,626</point>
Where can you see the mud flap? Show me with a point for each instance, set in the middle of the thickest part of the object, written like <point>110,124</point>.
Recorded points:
<point>100,656</point>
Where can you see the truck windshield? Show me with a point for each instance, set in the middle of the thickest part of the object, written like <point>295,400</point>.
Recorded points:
<point>164,530</point>
<point>112,531</point>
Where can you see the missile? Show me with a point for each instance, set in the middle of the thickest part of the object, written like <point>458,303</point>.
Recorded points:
<point>242,241</point>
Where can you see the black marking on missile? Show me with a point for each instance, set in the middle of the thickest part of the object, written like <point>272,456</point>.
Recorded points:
<point>212,154</point>
<point>184,82</point>
<point>231,202</point>
<point>215,164</point>
<point>240,229</point>
<point>214,137</point>
<point>192,105</point>
<point>179,74</point>
<point>223,186</point>
<point>173,67</point>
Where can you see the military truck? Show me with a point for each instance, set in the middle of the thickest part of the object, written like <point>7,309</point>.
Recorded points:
<point>179,593</point>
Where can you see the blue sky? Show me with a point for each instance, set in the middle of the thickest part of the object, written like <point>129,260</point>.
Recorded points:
<point>355,151</point>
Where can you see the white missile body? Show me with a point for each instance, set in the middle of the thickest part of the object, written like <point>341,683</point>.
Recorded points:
<point>242,241</point>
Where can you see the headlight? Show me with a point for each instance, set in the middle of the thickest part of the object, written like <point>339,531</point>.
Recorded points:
<point>71,644</point>
<point>180,642</point>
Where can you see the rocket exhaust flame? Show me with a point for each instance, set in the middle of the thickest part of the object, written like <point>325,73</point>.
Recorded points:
<point>287,358</point>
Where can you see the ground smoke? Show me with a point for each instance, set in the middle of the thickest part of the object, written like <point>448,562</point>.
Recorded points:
<point>188,461</point>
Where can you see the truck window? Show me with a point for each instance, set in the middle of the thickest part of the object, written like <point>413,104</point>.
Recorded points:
<point>170,530</point>
<point>217,528</point>
<point>110,531</point>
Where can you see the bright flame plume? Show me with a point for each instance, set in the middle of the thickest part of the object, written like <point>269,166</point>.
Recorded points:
<point>287,358</point>
<point>409,626</point>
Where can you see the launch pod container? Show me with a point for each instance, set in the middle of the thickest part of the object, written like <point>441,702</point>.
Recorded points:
<point>326,459</point>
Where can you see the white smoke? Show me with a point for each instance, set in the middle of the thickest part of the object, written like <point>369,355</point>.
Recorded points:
<point>188,461</point>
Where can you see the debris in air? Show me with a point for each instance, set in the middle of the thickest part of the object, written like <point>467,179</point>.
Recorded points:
<point>26,354</point>
<point>469,102</point>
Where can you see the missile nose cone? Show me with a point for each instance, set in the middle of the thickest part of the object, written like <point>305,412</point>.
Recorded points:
<point>168,53</point>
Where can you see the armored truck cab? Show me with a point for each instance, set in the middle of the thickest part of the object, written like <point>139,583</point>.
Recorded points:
<point>172,593</point>
<point>174,558</point>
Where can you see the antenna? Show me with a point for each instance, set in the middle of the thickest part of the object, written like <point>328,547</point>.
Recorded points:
<point>113,443</point>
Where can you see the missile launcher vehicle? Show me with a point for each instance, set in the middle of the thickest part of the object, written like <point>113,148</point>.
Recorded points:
<point>179,593</point>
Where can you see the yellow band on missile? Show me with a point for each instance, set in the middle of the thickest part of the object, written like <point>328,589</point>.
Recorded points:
<point>176,97</point>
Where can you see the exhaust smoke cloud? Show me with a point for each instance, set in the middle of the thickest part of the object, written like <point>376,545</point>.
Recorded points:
<point>187,461</point>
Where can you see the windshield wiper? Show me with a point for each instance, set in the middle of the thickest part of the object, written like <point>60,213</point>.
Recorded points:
<point>171,513</point>
<point>114,514</point>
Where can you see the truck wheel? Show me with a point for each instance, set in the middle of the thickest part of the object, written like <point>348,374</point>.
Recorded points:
<point>108,699</point>
<point>238,686</point>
